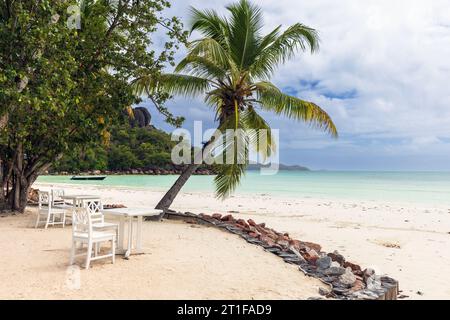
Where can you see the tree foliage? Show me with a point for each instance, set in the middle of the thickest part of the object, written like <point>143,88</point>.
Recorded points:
<point>129,148</point>
<point>61,88</point>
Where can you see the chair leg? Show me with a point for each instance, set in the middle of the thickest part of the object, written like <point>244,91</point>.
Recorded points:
<point>48,221</point>
<point>64,219</point>
<point>72,252</point>
<point>113,249</point>
<point>37,220</point>
<point>89,254</point>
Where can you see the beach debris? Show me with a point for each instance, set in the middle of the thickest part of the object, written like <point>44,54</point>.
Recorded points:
<point>420,293</point>
<point>346,279</point>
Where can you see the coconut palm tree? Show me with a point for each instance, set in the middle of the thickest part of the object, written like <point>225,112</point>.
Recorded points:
<point>231,66</point>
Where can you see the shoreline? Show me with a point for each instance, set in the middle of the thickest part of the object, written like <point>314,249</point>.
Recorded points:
<point>407,242</point>
<point>349,201</point>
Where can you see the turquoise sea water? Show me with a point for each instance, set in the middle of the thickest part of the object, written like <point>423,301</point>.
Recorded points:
<point>418,187</point>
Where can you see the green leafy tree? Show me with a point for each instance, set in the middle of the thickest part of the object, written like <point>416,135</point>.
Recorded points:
<point>62,88</point>
<point>231,66</point>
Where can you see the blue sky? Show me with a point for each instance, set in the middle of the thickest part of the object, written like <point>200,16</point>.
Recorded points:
<point>382,73</point>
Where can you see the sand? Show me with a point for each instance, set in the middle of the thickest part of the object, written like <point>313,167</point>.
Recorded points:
<point>406,241</point>
<point>179,262</point>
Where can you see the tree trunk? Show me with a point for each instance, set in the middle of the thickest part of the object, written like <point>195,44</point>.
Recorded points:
<point>168,198</point>
<point>16,178</point>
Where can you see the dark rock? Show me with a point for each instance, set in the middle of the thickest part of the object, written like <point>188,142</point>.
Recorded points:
<point>242,222</point>
<point>228,217</point>
<point>141,117</point>
<point>323,262</point>
<point>217,216</point>
<point>352,266</point>
<point>334,271</point>
<point>254,234</point>
<point>339,258</point>
<point>251,222</point>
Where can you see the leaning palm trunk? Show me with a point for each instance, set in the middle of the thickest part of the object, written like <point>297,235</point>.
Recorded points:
<point>168,198</point>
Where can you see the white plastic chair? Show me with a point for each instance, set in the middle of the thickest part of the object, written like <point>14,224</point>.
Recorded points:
<point>50,213</point>
<point>82,232</point>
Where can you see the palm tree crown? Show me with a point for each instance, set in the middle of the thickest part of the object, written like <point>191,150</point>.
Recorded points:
<point>231,66</point>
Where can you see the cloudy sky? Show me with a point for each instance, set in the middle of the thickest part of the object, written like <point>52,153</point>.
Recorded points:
<point>382,73</point>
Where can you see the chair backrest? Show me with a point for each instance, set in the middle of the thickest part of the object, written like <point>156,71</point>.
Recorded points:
<point>81,221</point>
<point>44,200</point>
<point>56,196</point>
<point>95,208</point>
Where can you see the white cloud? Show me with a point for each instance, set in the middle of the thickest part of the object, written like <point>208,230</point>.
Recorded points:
<point>394,55</point>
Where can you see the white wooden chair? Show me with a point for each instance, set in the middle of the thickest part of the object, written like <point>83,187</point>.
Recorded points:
<point>52,216</point>
<point>82,232</point>
<point>95,208</point>
<point>59,203</point>
<point>57,199</point>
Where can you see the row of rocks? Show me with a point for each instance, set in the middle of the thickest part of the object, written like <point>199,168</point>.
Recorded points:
<point>156,171</point>
<point>347,280</point>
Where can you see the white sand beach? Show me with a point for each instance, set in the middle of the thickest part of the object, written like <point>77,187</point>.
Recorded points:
<point>407,242</point>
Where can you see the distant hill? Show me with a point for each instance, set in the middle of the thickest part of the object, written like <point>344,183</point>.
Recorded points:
<point>283,167</point>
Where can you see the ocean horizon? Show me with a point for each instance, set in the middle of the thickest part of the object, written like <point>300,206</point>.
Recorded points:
<point>426,187</point>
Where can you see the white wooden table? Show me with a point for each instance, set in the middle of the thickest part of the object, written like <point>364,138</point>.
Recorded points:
<point>128,215</point>
<point>78,198</point>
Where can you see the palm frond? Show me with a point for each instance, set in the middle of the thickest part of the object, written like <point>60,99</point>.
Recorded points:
<point>176,84</point>
<point>296,37</point>
<point>209,23</point>
<point>244,25</point>
<point>233,150</point>
<point>259,133</point>
<point>227,179</point>
<point>200,67</point>
<point>212,50</point>
<point>271,98</point>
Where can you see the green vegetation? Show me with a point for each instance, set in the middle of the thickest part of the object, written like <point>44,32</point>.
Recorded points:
<point>230,66</point>
<point>129,148</point>
<point>62,88</point>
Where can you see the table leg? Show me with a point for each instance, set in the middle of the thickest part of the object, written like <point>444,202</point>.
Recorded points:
<point>139,235</point>
<point>120,241</point>
<point>130,237</point>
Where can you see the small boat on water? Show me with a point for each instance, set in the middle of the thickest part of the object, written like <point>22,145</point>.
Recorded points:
<point>98,178</point>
